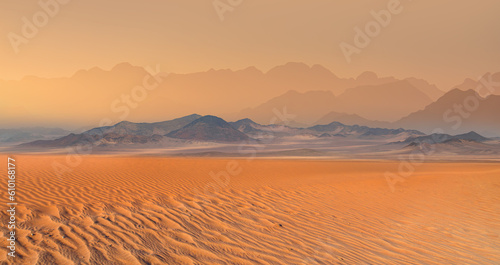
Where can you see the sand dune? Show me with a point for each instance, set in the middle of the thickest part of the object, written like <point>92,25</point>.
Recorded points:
<point>150,210</point>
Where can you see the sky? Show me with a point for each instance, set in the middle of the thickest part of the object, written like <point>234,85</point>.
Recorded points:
<point>441,41</point>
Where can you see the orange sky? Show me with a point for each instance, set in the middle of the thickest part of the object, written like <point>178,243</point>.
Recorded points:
<point>442,41</point>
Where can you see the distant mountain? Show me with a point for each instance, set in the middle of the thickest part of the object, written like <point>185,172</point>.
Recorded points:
<point>457,112</point>
<point>487,84</point>
<point>432,91</point>
<point>471,136</point>
<point>85,139</point>
<point>337,128</point>
<point>319,140</point>
<point>68,140</point>
<point>371,79</point>
<point>250,127</point>
<point>441,138</point>
<point>121,133</point>
<point>145,129</point>
<point>350,119</point>
<point>209,128</point>
<point>109,91</point>
<point>302,78</point>
<point>387,102</point>
<point>212,129</point>
<point>456,146</point>
<point>334,129</point>
<point>293,106</point>
<point>246,126</point>
<point>259,131</point>
<point>168,95</point>
<point>30,134</point>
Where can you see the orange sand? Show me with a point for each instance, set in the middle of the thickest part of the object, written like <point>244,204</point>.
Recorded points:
<point>144,210</point>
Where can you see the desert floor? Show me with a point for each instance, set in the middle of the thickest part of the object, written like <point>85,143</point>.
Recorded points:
<point>153,210</point>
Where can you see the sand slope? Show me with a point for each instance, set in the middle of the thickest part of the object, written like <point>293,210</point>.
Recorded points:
<point>115,210</point>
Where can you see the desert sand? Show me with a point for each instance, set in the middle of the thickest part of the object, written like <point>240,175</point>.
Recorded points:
<point>160,210</point>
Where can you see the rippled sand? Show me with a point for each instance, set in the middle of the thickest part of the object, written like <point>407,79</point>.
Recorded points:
<point>144,210</point>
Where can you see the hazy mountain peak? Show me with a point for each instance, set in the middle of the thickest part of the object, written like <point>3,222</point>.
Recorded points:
<point>478,84</point>
<point>367,76</point>
<point>472,136</point>
<point>126,67</point>
<point>291,92</point>
<point>469,81</point>
<point>246,120</point>
<point>430,90</point>
<point>211,119</point>
<point>373,101</point>
<point>120,70</point>
<point>90,72</point>
<point>251,69</point>
<point>458,111</point>
<point>212,70</point>
<point>288,68</point>
<point>123,122</point>
<point>192,115</point>
<point>209,128</point>
<point>442,137</point>
<point>458,94</point>
<point>350,119</point>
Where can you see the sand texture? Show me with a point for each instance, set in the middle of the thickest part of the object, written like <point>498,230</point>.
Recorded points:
<point>152,210</point>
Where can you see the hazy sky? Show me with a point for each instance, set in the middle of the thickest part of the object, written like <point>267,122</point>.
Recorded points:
<point>443,41</point>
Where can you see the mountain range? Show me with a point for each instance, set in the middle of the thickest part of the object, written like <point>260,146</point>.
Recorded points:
<point>210,129</point>
<point>442,138</point>
<point>145,129</point>
<point>457,111</point>
<point>213,136</point>
<point>380,102</point>
<point>462,145</point>
<point>116,93</point>
<point>30,134</point>
<point>121,133</point>
<point>294,94</point>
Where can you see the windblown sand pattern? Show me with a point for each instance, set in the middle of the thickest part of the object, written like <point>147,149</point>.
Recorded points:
<point>144,210</point>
